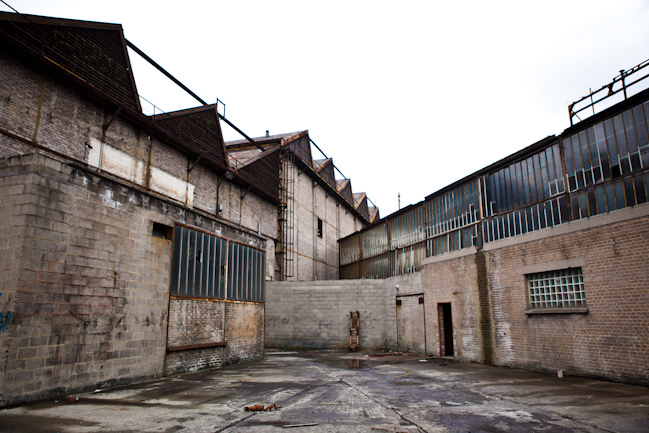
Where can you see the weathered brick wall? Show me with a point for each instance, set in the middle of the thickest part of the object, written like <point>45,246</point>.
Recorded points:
<point>316,314</point>
<point>69,121</point>
<point>20,90</point>
<point>244,332</point>
<point>453,279</point>
<point>195,321</point>
<point>411,336</point>
<point>205,193</point>
<point>488,294</point>
<point>612,339</point>
<point>88,285</point>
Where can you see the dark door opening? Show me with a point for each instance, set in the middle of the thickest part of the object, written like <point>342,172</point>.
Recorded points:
<point>445,330</point>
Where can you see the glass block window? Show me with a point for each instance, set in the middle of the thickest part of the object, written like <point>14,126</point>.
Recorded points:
<point>557,289</point>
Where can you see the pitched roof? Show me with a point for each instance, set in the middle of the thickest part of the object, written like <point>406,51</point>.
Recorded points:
<point>93,54</point>
<point>199,129</point>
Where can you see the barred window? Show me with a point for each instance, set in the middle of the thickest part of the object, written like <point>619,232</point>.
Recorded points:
<point>556,289</point>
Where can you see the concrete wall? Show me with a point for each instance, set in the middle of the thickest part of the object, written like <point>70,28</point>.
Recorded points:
<point>488,293</point>
<point>317,314</point>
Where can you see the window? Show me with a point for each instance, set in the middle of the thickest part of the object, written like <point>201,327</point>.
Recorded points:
<point>562,289</point>
<point>207,266</point>
<point>319,228</point>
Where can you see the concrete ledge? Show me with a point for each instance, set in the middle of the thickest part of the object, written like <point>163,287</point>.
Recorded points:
<point>575,310</point>
<point>450,256</point>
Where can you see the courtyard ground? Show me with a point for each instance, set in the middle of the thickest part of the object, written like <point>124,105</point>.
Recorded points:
<point>331,391</point>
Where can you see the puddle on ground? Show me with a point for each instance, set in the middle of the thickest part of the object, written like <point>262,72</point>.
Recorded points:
<point>353,363</point>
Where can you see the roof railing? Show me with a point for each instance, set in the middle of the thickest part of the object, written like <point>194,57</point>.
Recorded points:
<point>593,98</point>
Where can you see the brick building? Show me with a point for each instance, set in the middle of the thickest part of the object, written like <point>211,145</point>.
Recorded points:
<point>130,248</point>
<point>316,209</point>
<point>538,261</point>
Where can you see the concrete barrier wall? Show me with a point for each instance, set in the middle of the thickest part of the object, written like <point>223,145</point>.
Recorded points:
<point>317,314</point>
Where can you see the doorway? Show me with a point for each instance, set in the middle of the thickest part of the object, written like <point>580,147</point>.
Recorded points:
<point>445,329</point>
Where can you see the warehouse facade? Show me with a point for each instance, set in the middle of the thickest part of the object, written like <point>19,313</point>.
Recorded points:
<point>539,260</point>
<point>130,247</point>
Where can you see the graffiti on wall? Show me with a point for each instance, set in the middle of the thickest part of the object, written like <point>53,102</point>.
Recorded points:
<point>277,321</point>
<point>4,319</point>
<point>324,325</point>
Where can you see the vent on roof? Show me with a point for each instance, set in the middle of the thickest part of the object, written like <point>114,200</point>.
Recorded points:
<point>267,133</point>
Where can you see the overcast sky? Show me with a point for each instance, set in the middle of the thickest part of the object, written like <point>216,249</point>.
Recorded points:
<point>406,96</point>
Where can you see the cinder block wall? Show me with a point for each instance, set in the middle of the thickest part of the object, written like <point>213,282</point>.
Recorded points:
<point>316,314</point>
<point>69,121</point>
<point>87,285</point>
<point>488,294</point>
<point>89,295</point>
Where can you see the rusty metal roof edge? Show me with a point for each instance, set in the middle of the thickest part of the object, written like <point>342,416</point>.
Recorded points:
<point>259,156</point>
<point>311,172</point>
<point>281,138</point>
<point>131,76</point>
<point>184,112</point>
<point>53,21</point>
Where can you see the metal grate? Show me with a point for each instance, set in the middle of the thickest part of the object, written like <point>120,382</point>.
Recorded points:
<point>557,289</point>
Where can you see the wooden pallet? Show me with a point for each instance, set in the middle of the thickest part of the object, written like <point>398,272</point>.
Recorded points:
<point>355,324</point>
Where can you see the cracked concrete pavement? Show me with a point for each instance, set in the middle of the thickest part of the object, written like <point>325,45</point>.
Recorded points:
<point>347,392</point>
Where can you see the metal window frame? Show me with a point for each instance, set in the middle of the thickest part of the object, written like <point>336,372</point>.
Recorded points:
<point>224,270</point>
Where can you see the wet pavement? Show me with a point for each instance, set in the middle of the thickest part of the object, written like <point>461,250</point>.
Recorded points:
<point>330,391</point>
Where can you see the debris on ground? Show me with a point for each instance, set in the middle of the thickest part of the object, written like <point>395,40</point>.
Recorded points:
<point>387,429</point>
<point>300,425</point>
<point>261,407</point>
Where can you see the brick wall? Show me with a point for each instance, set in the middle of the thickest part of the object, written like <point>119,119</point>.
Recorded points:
<point>244,332</point>
<point>316,258</point>
<point>612,339</point>
<point>488,294</point>
<point>187,319</point>
<point>69,120</point>
<point>453,279</point>
<point>410,324</point>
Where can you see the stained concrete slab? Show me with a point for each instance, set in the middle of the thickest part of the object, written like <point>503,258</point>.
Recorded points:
<point>345,392</point>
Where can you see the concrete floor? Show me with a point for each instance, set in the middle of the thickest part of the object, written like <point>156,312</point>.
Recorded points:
<point>344,392</point>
